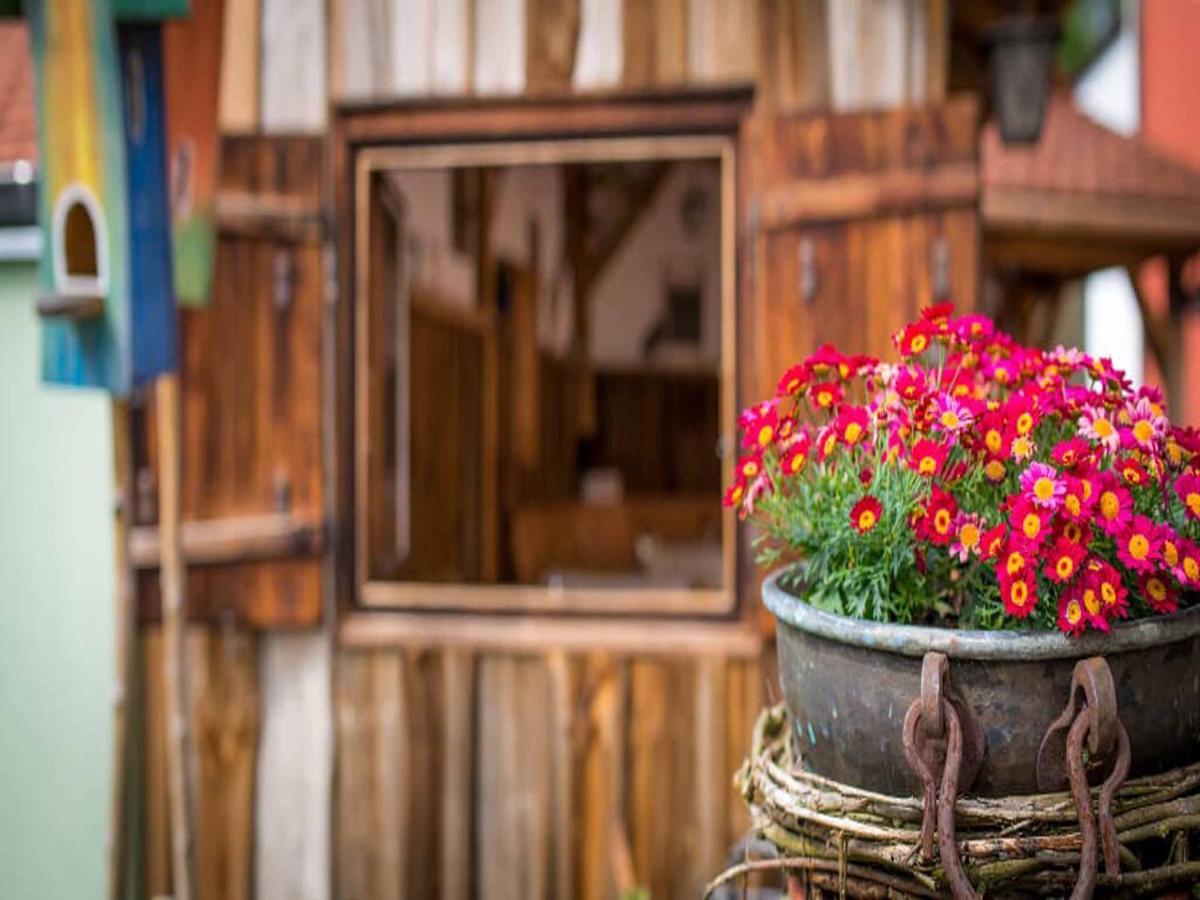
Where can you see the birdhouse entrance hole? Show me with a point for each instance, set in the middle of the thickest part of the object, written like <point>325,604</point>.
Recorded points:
<point>79,243</point>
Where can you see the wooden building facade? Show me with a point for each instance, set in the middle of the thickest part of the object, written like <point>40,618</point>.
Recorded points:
<point>401,747</point>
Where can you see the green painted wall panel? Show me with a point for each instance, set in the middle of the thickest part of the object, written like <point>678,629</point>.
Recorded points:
<point>55,617</point>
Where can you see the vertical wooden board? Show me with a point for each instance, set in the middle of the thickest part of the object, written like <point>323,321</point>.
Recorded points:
<point>513,755</point>
<point>713,770</point>
<point>239,102</point>
<point>193,66</point>
<point>454,709</point>
<point>292,806</point>
<point>499,50</point>
<point>655,42</point>
<point>599,58</point>
<point>412,49</point>
<point>452,71</point>
<point>373,778</point>
<point>599,797</point>
<point>360,48</point>
<point>551,41</point>
<point>662,776</point>
<point>793,55</point>
<point>744,699</point>
<point>293,66</point>
<point>722,40</point>
<point>156,828</point>
<point>223,684</point>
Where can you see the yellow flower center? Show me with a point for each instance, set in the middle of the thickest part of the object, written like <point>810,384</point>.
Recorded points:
<point>1143,431</point>
<point>750,469</point>
<point>1086,483</point>
<point>1024,423</point>
<point>1110,505</point>
<point>825,398</point>
<point>1031,526</point>
<point>968,535</point>
<point>1193,502</point>
<point>1074,613</point>
<point>1102,427</point>
<point>1170,553</point>
<point>798,461</point>
<point>1156,589</point>
<point>1064,567</point>
<point>927,465</point>
<point>941,521</point>
<point>736,495</point>
<point>1019,593</point>
<point>853,433</point>
<point>919,343</point>
<point>1043,488</point>
<point>1022,447</point>
<point>950,419</point>
<point>1108,593</point>
<point>765,434</point>
<point>866,520</point>
<point>1073,505</point>
<point>994,470</point>
<point>994,440</point>
<point>1191,568</point>
<point>1091,601</point>
<point>1015,563</point>
<point>1139,547</point>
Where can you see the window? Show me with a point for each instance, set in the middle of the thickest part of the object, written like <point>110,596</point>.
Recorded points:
<point>542,373</point>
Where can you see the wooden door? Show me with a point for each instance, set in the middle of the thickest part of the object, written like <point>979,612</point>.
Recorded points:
<point>852,223</point>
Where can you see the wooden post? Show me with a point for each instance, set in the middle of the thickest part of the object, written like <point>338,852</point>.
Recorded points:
<point>172,574</point>
<point>124,631</point>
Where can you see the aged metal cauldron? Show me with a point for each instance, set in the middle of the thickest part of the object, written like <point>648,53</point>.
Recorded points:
<point>848,684</point>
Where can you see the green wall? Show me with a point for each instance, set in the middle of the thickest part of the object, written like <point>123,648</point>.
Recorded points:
<point>55,618</point>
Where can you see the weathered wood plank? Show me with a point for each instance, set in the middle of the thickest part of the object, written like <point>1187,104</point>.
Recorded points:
<point>156,828</point>
<point>293,66</point>
<point>499,50</point>
<point>599,58</point>
<point>458,764</point>
<point>552,29</point>
<point>240,103</point>
<point>722,40</point>
<point>225,712</point>
<point>294,768</point>
<point>360,48</point>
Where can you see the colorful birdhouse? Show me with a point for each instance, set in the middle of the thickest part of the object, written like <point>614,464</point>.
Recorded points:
<point>107,303</point>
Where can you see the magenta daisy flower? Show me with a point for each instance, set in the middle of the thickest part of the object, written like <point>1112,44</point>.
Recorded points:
<point>1043,486</point>
<point>1138,545</point>
<point>951,415</point>
<point>1114,505</point>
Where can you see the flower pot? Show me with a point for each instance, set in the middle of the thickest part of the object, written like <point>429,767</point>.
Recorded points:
<point>848,684</point>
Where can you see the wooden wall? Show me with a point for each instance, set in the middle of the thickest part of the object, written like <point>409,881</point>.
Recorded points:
<point>418,770</point>
<point>554,775</point>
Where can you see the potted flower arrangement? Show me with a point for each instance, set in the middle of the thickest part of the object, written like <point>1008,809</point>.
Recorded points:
<point>1014,509</point>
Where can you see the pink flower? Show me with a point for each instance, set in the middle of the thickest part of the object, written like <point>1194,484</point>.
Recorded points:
<point>1187,489</point>
<point>1042,485</point>
<point>1146,425</point>
<point>1029,522</point>
<point>1114,505</point>
<point>1096,424</point>
<point>1159,593</point>
<point>952,416</point>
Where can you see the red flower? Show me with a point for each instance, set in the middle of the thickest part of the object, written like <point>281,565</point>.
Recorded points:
<point>1187,572</point>
<point>1107,582</point>
<point>1079,498</point>
<point>851,424</point>
<point>1015,558</point>
<point>1071,617</point>
<point>793,381</point>
<point>1019,594</point>
<point>1138,545</point>
<point>758,424</point>
<point>1073,452</point>
<point>1159,593</point>
<point>1187,488</point>
<point>926,457</point>
<point>914,339</point>
<point>1131,471</point>
<point>938,523</point>
<point>865,514</point>
<point>992,542</point>
<point>826,395</point>
<point>734,493</point>
<point>910,384</point>
<point>749,467</point>
<point>1030,522</point>
<point>1114,505</point>
<point>1064,561</point>
<point>795,458</point>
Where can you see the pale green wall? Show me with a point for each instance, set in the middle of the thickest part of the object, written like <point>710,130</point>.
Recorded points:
<point>55,618</point>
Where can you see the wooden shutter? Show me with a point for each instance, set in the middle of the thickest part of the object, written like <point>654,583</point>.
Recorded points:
<point>852,223</point>
<point>251,364</point>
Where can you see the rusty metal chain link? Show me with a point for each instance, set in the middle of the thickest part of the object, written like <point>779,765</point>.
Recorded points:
<point>933,743</point>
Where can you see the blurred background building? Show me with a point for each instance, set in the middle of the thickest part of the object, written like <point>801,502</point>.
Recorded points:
<point>492,277</point>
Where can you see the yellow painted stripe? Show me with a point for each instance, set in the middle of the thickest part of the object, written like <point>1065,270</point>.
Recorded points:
<point>73,119</point>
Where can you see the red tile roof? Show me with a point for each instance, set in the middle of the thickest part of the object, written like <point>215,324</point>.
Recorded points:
<point>18,117</point>
<point>1076,154</point>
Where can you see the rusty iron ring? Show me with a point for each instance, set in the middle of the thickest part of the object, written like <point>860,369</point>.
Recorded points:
<point>960,885</point>
<point>934,671</point>
<point>917,763</point>
<point>1093,694</point>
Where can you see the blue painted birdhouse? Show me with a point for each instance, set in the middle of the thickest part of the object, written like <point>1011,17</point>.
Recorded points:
<point>109,317</point>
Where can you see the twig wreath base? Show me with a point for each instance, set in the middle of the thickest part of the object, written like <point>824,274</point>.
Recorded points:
<point>863,844</point>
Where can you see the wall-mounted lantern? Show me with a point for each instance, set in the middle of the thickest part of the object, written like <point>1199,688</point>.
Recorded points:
<point>1021,57</point>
